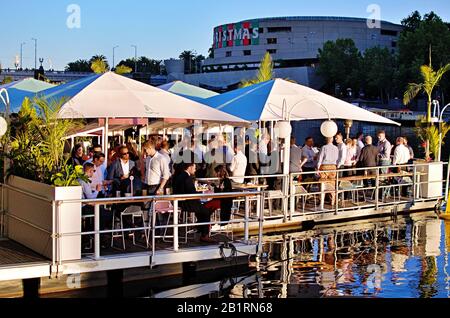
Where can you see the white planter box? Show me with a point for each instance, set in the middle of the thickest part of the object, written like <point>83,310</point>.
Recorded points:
<point>431,172</point>
<point>39,213</point>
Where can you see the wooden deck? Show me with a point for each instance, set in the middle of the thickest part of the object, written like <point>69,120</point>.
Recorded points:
<point>12,253</point>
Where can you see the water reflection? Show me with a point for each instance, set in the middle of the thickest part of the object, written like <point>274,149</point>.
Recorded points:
<point>407,257</point>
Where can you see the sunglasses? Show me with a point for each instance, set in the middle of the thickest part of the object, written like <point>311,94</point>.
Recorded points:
<point>124,154</point>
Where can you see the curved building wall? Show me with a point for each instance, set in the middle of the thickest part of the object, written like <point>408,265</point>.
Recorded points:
<point>294,40</point>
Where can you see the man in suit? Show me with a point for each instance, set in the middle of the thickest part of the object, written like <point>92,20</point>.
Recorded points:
<point>183,183</point>
<point>121,170</point>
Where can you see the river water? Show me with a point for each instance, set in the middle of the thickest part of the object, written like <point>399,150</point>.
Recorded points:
<point>402,258</point>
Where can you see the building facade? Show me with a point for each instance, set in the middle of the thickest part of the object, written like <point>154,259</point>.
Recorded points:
<point>293,42</point>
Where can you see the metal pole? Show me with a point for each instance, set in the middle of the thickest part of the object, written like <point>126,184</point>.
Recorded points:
<point>261,225</point>
<point>247,213</point>
<point>175,224</point>
<point>21,54</point>
<point>447,185</point>
<point>35,53</point>
<point>135,58</point>
<point>440,131</point>
<point>114,64</point>
<point>97,230</point>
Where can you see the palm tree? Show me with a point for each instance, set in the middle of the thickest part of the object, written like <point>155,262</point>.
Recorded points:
<point>188,57</point>
<point>123,69</point>
<point>431,79</point>
<point>99,66</point>
<point>265,72</point>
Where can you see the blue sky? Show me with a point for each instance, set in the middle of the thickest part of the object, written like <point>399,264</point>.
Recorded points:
<point>161,29</point>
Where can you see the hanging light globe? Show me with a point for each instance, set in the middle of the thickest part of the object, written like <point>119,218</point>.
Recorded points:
<point>3,126</point>
<point>329,128</point>
<point>284,129</point>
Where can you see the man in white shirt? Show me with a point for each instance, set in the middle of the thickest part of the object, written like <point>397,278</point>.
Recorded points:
<point>310,154</point>
<point>342,147</point>
<point>295,163</point>
<point>157,170</point>
<point>98,178</point>
<point>401,153</point>
<point>238,165</point>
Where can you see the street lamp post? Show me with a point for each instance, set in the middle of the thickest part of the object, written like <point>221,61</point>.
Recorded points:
<point>35,53</point>
<point>21,55</point>
<point>135,58</point>
<point>440,118</point>
<point>114,56</point>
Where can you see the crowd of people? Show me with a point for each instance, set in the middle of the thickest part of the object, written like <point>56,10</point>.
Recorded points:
<point>164,168</point>
<point>358,152</point>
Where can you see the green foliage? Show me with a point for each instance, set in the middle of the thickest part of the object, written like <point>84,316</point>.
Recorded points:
<point>7,80</point>
<point>339,64</point>
<point>144,65</point>
<point>37,147</point>
<point>419,36</point>
<point>379,67</point>
<point>79,66</point>
<point>430,133</point>
<point>122,69</point>
<point>192,61</point>
<point>69,176</point>
<point>265,72</point>
<point>99,66</point>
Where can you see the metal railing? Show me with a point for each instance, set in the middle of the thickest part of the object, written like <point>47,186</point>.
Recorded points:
<point>151,228</point>
<point>248,196</point>
<point>373,174</point>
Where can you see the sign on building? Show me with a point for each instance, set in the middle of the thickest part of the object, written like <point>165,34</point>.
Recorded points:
<point>236,34</point>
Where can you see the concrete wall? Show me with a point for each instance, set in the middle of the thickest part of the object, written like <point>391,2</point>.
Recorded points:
<point>299,74</point>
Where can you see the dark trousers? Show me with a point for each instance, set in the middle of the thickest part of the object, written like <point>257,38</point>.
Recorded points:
<point>202,213</point>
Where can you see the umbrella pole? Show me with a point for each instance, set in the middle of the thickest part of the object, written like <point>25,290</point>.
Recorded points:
<point>105,140</point>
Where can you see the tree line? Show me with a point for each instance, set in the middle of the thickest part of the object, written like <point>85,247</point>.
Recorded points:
<point>380,73</point>
<point>192,64</point>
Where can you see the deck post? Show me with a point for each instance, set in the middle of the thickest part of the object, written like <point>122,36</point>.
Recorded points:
<point>292,197</point>
<point>175,224</point>
<point>97,230</point>
<point>31,287</point>
<point>377,188</point>
<point>115,283</point>
<point>261,226</point>
<point>336,199</point>
<point>246,217</point>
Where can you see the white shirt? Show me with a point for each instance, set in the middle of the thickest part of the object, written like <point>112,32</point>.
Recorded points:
<point>238,166</point>
<point>359,146</point>
<point>97,178</point>
<point>401,155</point>
<point>156,169</point>
<point>342,154</point>
<point>125,167</point>
<point>295,159</point>
<point>309,154</point>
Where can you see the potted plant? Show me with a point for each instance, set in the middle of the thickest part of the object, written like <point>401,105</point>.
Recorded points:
<point>38,166</point>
